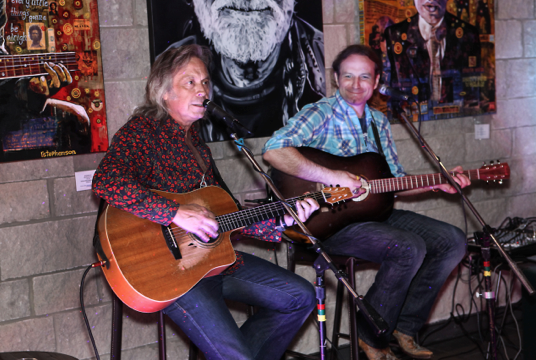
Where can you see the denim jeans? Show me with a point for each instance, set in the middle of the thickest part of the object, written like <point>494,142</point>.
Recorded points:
<point>416,253</point>
<point>284,299</point>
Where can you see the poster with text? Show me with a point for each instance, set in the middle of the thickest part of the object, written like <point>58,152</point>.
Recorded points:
<point>51,82</point>
<point>440,52</point>
<point>268,56</point>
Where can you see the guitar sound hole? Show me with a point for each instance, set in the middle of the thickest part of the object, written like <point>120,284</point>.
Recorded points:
<point>211,241</point>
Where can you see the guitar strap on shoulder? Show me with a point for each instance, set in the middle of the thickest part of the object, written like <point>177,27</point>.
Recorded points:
<point>219,178</point>
<point>377,137</point>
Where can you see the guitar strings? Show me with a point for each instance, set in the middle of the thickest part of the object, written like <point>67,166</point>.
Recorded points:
<point>416,181</point>
<point>23,62</point>
<point>242,218</point>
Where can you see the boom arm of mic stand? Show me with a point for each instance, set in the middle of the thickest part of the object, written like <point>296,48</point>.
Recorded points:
<point>370,314</point>
<point>486,228</point>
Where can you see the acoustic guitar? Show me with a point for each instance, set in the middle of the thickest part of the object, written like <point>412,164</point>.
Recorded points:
<point>376,204</point>
<point>150,266</point>
<point>16,66</point>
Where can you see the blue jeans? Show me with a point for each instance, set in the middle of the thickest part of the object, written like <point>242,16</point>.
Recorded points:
<point>285,300</point>
<point>416,253</point>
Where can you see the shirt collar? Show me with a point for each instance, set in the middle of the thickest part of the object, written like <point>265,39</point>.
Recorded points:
<point>174,129</point>
<point>426,29</point>
<point>348,110</point>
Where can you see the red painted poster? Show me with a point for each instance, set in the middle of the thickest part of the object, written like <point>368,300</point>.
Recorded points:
<point>51,83</point>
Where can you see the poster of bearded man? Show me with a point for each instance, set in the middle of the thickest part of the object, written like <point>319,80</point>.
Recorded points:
<point>268,56</point>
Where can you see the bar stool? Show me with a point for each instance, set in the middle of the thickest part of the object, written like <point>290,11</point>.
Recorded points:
<point>117,331</point>
<point>300,253</point>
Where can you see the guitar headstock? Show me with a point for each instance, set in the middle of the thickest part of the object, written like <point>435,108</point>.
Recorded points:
<point>494,172</point>
<point>333,195</point>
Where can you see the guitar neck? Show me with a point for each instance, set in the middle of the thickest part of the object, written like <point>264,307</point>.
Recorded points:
<point>243,218</point>
<point>415,181</point>
<point>16,66</point>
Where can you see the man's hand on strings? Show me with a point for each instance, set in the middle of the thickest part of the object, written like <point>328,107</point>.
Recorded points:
<point>345,179</point>
<point>304,209</point>
<point>460,179</point>
<point>197,220</point>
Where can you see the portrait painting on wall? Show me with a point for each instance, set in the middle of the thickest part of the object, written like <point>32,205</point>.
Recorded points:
<point>440,52</point>
<point>51,82</point>
<point>268,56</point>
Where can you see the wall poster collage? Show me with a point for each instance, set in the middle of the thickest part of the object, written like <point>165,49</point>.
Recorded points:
<point>268,55</point>
<point>51,81</point>
<point>442,52</point>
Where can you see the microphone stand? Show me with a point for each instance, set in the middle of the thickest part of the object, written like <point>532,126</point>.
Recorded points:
<point>368,311</point>
<point>486,235</point>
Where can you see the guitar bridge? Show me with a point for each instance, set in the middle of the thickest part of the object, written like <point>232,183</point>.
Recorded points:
<point>171,242</point>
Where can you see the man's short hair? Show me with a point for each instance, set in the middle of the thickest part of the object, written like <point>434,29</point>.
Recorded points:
<point>357,49</point>
<point>160,79</point>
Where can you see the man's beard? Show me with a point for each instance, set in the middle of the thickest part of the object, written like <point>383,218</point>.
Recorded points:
<point>244,35</point>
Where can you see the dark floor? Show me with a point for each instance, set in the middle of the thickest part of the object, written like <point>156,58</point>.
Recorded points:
<point>447,340</point>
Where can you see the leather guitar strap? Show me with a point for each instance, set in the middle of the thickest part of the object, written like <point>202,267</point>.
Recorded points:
<point>377,138</point>
<point>215,171</point>
<point>197,156</point>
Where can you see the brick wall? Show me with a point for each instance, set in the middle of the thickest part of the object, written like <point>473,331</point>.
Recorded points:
<point>46,226</point>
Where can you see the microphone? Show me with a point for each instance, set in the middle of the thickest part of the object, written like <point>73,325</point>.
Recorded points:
<point>221,114</point>
<point>395,94</point>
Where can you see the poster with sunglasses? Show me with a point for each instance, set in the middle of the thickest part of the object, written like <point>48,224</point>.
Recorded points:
<point>51,83</point>
<point>440,52</point>
<point>268,55</point>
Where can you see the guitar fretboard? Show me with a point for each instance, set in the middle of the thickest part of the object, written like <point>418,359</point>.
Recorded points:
<point>15,66</point>
<point>414,182</point>
<point>243,218</point>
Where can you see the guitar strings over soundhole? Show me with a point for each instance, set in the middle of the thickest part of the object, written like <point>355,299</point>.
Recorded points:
<point>213,242</point>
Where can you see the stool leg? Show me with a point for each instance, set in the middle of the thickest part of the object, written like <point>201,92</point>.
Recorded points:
<point>192,355</point>
<point>117,328</point>
<point>161,336</point>
<point>354,349</point>
<point>337,321</point>
<point>291,262</point>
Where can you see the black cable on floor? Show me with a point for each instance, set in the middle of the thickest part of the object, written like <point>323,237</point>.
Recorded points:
<point>100,263</point>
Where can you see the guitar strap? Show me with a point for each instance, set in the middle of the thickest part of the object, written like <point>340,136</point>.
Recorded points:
<point>377,137</point>
<point>96,239</point>
<point>219,178</point>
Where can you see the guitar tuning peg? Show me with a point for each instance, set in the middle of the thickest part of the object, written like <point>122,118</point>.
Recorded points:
<point>491,162</point>
<point>483,163</point>
<point>498,161</point>
<point>500,182</point>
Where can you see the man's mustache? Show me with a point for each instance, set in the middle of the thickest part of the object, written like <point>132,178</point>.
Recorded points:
<point>244,5</point>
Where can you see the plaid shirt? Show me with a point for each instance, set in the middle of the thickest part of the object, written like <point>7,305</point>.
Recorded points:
<point>331,125</point>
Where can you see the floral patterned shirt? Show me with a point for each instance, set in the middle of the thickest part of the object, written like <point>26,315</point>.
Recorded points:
<point>147,154</point>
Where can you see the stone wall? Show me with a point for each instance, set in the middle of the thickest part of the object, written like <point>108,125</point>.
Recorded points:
<point>46,226</point>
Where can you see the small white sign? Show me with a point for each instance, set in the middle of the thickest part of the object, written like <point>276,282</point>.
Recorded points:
<point>481,131</point>
<point>83,179</point>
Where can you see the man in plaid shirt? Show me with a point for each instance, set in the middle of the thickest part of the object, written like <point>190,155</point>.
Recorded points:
<point>416,253</point>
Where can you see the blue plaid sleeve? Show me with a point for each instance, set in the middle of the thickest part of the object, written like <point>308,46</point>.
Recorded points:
<point>300,129</point>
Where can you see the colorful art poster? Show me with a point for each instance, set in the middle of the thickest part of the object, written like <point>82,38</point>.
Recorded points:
<point>268,56</point>
<point>441,52</point>
<point>51,83</point>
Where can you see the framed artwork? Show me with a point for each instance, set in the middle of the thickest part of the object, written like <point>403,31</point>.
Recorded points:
<point>51,83</point>
<point>442,55</point>
<point>268,56</point>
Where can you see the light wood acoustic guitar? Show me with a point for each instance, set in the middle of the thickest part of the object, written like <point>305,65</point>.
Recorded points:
<point>150,266</point>
<point>376,204</point>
